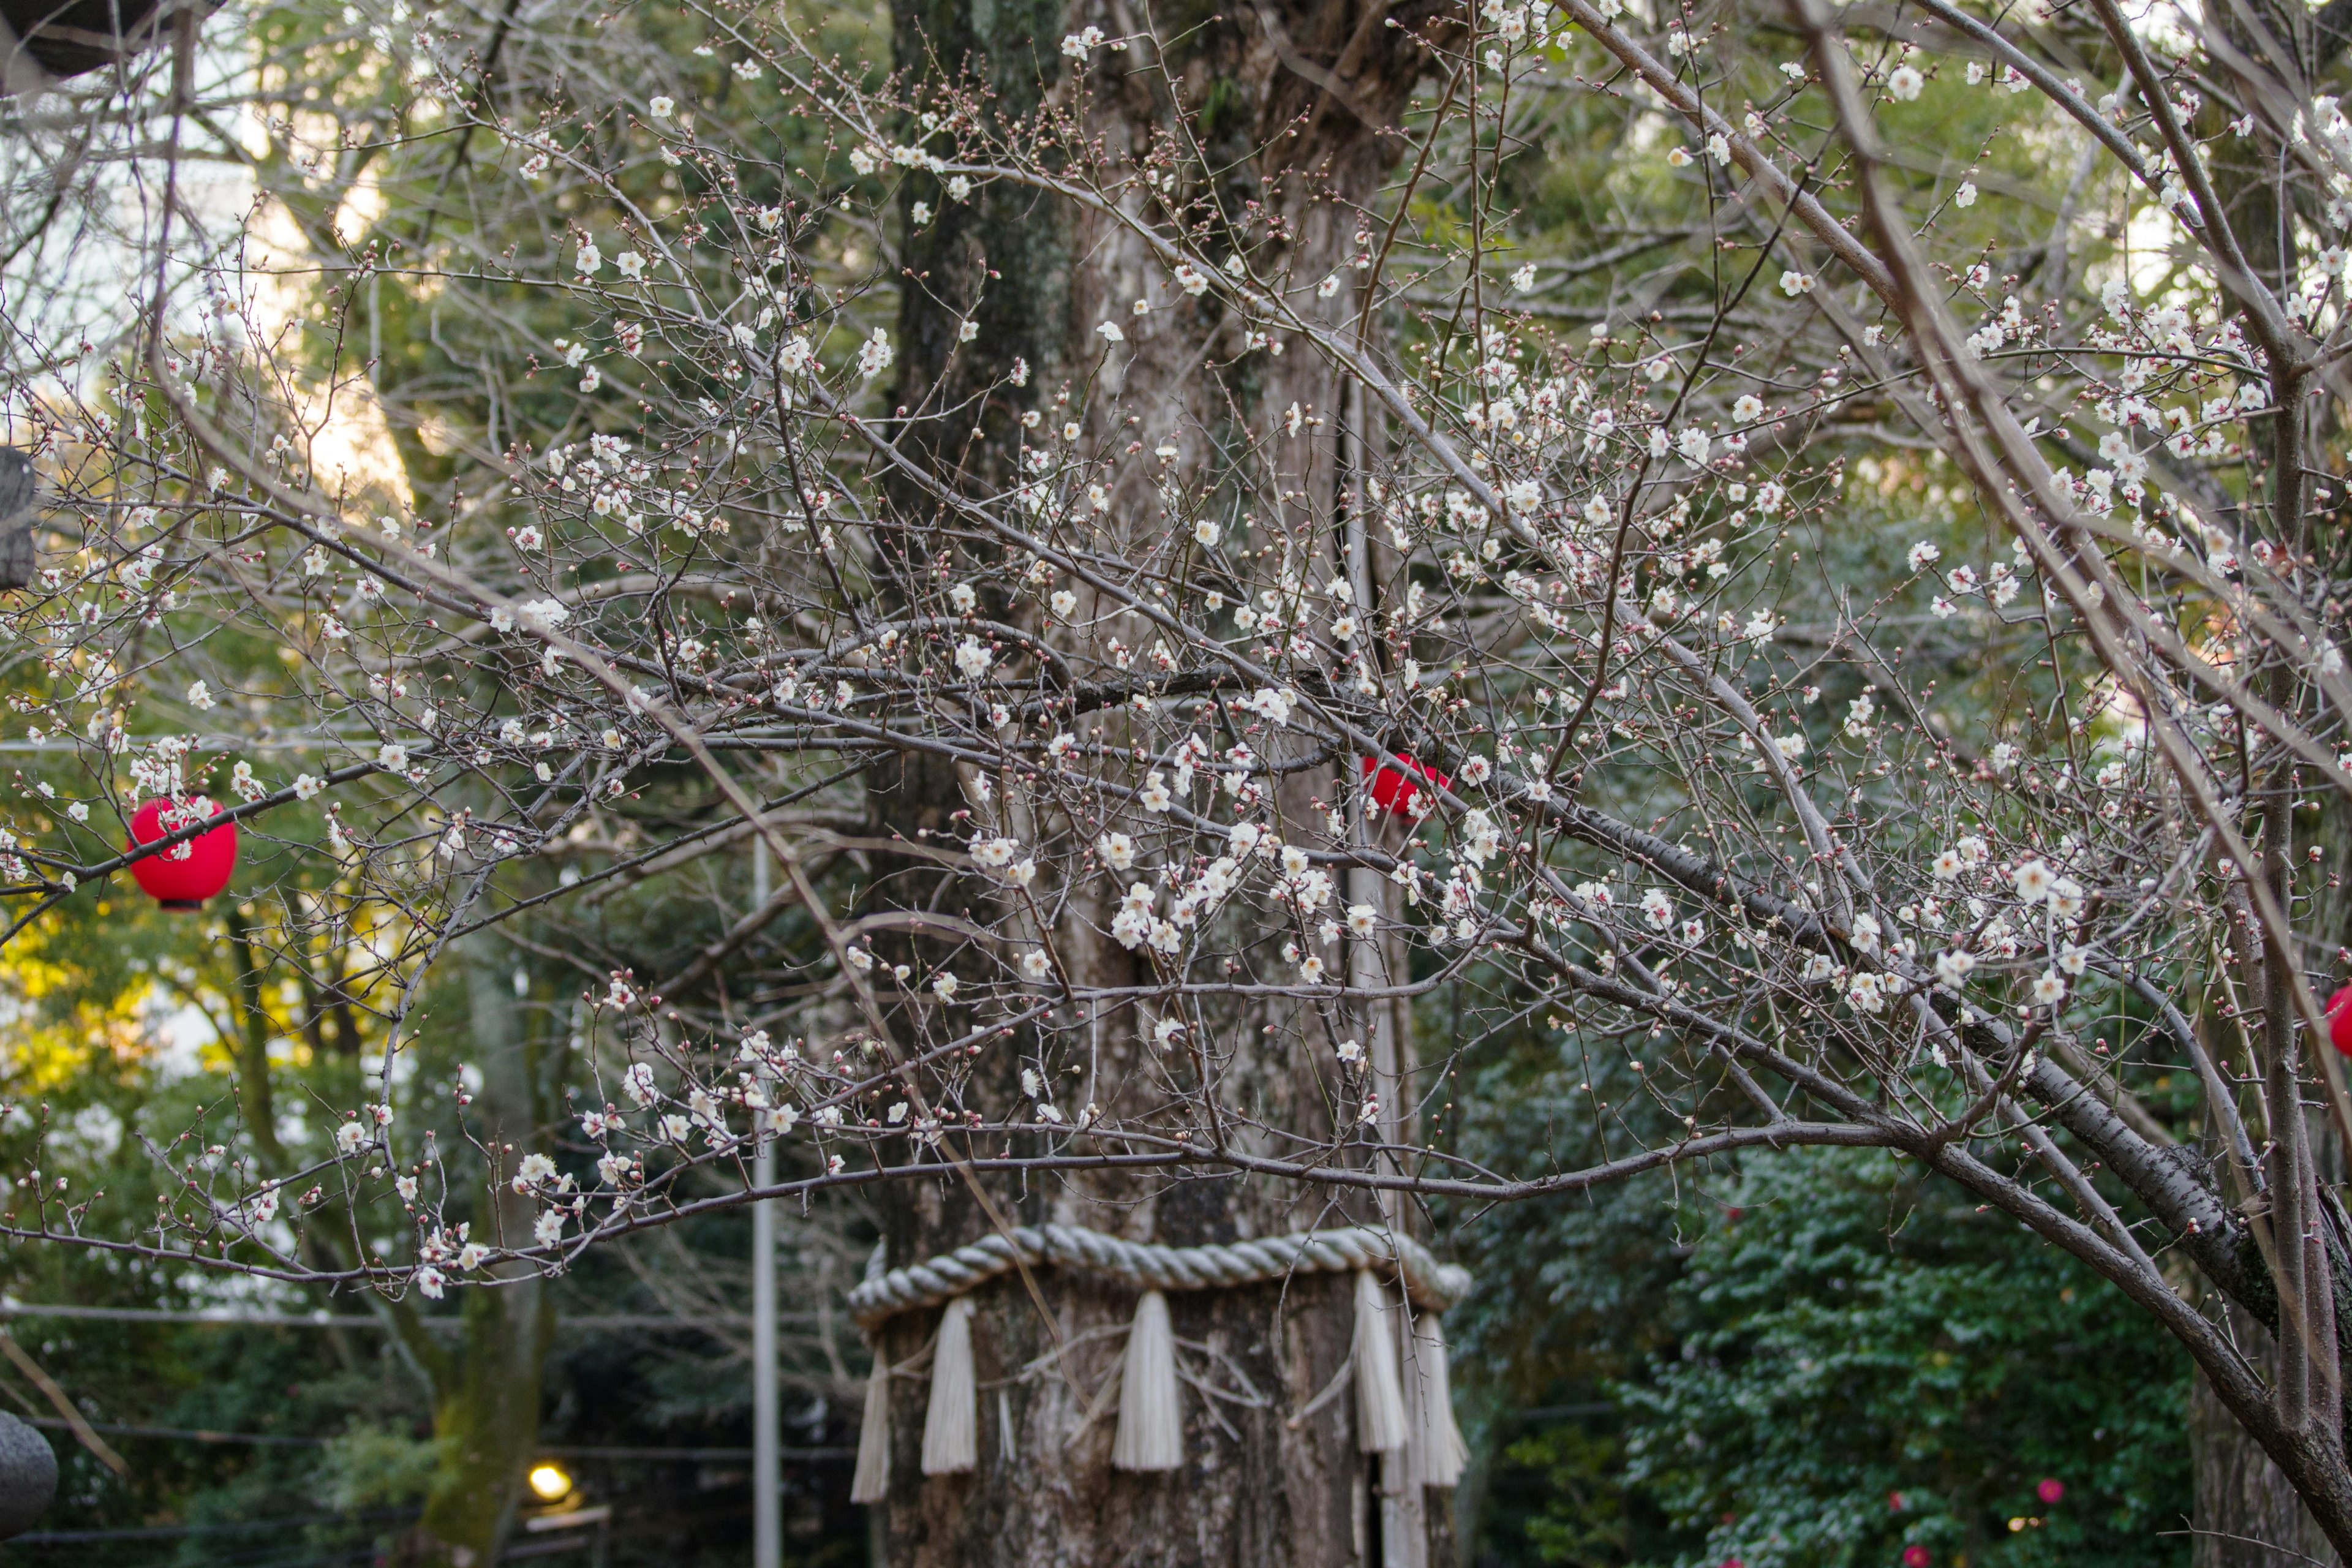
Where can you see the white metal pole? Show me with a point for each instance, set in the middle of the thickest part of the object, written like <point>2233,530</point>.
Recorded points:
<point>767,1523</point>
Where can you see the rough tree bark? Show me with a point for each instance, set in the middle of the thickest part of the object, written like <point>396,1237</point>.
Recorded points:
<point>2247,1516</point>
<point>1294,105</point>
<point>2247,1513</point>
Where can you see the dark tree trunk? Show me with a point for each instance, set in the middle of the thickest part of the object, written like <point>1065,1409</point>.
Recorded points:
<point>2247,1515</point>
<point>1264,1493</point>
<point>1036,278</point>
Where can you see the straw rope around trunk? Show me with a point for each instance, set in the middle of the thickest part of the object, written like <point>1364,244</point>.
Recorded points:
<point>1411,1420</point>
<point>1432,1285</point>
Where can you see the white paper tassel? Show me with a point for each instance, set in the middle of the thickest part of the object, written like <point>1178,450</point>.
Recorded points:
<point>872,1482</point>
<point>1151,1425</point>
<point>950,1439</point>
<point>1438,1452</point>
<point>1380,1425</point>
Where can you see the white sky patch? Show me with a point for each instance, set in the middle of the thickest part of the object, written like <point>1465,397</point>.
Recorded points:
<point>181,1036</point>
<point>93,1133</point>
<point>2153,242</point>
<point>350,441</point>
<point>404,1069</point>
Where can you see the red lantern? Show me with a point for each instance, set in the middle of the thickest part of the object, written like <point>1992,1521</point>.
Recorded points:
<point>1393,791</point>
<point>2339,1020</point>
<point>185,875</point>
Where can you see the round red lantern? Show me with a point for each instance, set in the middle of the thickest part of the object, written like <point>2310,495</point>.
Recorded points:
<point>1393,791</point>
<point>185,875</point>
<point>2339,1020</point>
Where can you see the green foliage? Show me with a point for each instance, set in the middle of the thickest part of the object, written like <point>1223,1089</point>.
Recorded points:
<point>1584,1518</point>
<point>369,1467</point>
<point>1857,1363</point>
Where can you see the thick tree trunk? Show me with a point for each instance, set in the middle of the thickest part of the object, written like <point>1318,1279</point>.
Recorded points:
<point>1263,1484</point>
<point>2247,1515</point>
<point>1253,1488</point>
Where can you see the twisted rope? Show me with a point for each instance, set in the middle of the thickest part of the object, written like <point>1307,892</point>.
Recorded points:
<point>1433,1286</point>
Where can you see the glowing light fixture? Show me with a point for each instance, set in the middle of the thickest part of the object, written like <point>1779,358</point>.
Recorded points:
<point>550,1482</point>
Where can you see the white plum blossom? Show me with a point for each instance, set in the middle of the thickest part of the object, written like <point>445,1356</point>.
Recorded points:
<point>534,1170</point>
<point>1864,992</point>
